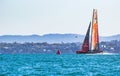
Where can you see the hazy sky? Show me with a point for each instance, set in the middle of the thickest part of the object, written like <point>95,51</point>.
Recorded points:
<point>26,17</point>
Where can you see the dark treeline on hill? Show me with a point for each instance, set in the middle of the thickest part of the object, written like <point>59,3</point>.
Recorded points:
<point>46,48</point>
<point>36,48</point>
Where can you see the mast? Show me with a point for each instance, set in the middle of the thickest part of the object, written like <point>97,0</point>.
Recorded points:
<point>94,33</point>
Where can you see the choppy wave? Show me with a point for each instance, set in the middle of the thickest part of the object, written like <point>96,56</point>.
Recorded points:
<point>50,64</point>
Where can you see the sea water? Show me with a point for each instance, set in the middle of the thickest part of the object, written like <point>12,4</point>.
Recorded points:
<point>59,65</point>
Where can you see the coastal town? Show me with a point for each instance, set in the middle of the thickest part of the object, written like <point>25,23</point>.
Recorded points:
<point>47,48</point>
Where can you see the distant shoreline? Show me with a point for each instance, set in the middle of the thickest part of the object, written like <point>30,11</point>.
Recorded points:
<point>51,48</point>
<point>51,38</point>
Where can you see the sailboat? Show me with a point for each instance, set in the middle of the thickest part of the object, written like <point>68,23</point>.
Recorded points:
<point>58,52</point>
<point>92,47</point>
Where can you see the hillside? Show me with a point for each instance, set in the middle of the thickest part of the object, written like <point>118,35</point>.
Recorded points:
<point>51,38</point>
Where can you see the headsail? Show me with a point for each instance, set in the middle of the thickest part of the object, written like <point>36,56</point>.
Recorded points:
<point>85,46</point>
<point>94,34</point>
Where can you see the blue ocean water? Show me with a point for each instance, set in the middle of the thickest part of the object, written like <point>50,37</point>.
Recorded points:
<point>55,65</point>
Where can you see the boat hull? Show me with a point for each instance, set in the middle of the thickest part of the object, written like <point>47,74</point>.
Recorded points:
<point>82,52</point>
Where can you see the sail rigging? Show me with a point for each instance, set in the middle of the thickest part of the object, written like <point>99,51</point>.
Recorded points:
<point>85,46</point>
<point>94,46</point>
<point>94,34</point>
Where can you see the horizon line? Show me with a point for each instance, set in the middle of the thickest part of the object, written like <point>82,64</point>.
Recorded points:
<point>51,33</point>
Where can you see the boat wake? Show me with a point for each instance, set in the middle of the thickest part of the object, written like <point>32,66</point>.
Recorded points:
<point>104,53</point>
